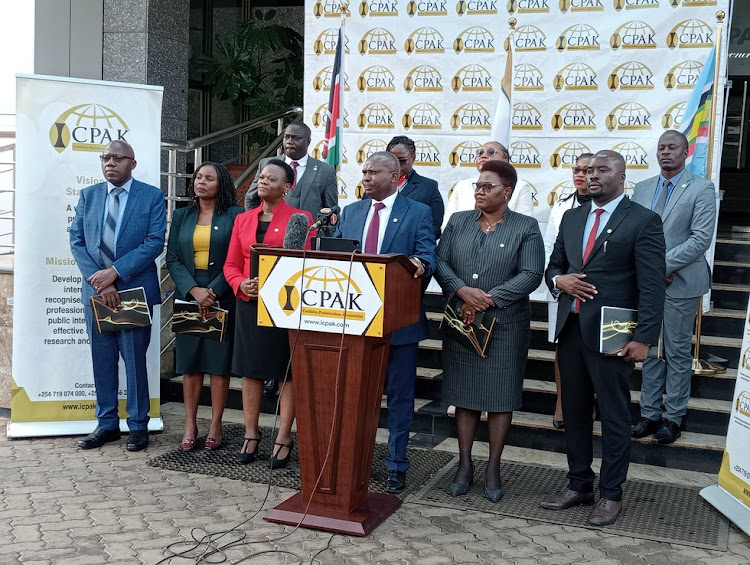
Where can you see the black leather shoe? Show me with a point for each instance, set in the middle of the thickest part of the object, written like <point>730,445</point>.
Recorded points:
<point>605,512</point>
<point>644,427</point>
<point>567,499</point>
<point>270,387</point>
<point>396,482</point>
<point>275,462</point>
<point>667,433</point>
<point>137,440</point>
<point>99,437</point>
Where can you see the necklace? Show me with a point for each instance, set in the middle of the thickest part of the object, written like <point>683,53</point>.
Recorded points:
<point>490,226</point>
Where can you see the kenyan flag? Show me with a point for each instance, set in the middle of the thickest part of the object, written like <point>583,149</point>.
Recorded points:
<point>335,113</point>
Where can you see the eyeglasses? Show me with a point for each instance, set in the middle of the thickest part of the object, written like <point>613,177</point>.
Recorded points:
<point>579,170</point>
<point>490,152</point>
<point>485,187</point>
<point>115,158</point>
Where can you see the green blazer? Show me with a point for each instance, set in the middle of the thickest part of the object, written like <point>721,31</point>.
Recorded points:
<point>180,251</point>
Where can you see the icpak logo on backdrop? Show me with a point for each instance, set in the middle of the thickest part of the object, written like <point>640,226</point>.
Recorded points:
<point>368,148</point>
<point>471,116</point>
<point>672,118</point>
<point>581,5</point>
<point>743,403</point>
<point>477,7</point>
<point>376,79</point>
<point>629,116</point>
<point>576,76</point>
<point>574,116</point>
<point>87,127</point>
<point>529,38</point>
<point>464,154</point>
<point>526,117</point>
<point>560,191</point>
<point>427,154</point>
<point>690,33</point>
<point>632,75</point>
<point>472,78</point>
<point>375,8</point>
<point>427,8</point>
<point>523,155</point>
<point>635,155</point>
<point>377,41</point>
<point>375,116</point>
<point>424,78</point>
<point>322,80</point>
<point>425,40</point>
<point>633,35</point>
<point>475,39</point>
<point>329,9</point>
<point>683,75</point>
<point>567,154</point>
<point>528,6</point>
<point>326,42</point>
<point>422,116</point>
<point>635,4</point>
<point>527,78</point>
<point>320,117</point>
<point>579,37</point>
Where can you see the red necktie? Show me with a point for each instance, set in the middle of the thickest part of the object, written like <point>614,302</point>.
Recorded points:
<point>590,245</point>
<point>294,164</point>
<point>373,230</point>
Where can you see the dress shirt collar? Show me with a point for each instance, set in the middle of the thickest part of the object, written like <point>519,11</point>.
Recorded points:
<point>125,187</point>
<point>675,180</point>
<point>301,162</point>
<point>609,207</point>
<point>388,201</point>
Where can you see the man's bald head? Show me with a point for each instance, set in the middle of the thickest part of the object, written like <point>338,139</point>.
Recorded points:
<point>380,175</point>
<point>121,147</point>
<point>118,162</point>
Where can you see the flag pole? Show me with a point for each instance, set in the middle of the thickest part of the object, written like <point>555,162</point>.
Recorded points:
<point>701,366</point>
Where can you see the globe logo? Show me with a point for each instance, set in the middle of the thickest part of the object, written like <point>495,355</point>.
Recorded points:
<point>567,154</point>
<point>477,7</point>
<point>579,37</point>
<point>743,403</point>
<point>424,78</point>
<point>422,116</point>
<point>574,116</point>
<point>691,33</point>
<point>326,42</point>
<point>368,148</point>
<point>428,155</point>
<point>575,76</point>
<point>378,41</point>
<point>375,116</point>
<point>635,156</point>
<point>329,9</point>
<point>320,117</point>
<point>633,35</point>
<point>630,5</point>
<point>376,79</point>
<point>427,8</point>
<point>672,118</point>
<point>472,78</point>
<point>628,117</point>
<point>521,7</point>
<point>683,75</point>
<point>318,280</point>
<point>374,9</point>
<point>585,6</point>
<point>746,359</point>
<point>561,191</point>
<point>317,151</point>
<point>424,40</point>
<point>475,39</point>
<point>527,77</point>
<point>471,116</point>
<point>526,117</point>
<point>464,154</point>
<point>322,80</point>
<point>90,127</point>
<point>529,38</point>
<point>523,155</point>
<point>632,75</point>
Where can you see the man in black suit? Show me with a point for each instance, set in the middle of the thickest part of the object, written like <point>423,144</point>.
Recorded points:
<point>415,186</point>
<point>610,252</point>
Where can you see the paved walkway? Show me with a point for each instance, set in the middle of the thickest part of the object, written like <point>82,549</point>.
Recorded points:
<point>60,505</point>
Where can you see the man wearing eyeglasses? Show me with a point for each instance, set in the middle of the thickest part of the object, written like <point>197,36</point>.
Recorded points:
<point>116,235</point>
<point>462,196</point>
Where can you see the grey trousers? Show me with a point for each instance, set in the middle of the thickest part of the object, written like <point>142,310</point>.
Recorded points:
<point>671,376</point>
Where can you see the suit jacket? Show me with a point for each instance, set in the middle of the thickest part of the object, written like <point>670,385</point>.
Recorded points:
<point>237,264</point>
<point>626,266</point>
<point>139,242</point>
<point>409,231</point>
<point>180,253</point>
<point>689,219</point>
<point>315,189</point>
<point>425,190</point>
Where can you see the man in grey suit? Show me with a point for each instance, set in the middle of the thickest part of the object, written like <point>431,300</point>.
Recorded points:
<point>687,206</point>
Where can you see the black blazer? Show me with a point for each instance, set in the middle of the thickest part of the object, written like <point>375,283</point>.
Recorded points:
<point>627,266</point>
<point>180,251</point>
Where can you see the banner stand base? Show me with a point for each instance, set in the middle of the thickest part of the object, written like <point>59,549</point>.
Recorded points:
<point>17,430</point>
<point>735,511</point>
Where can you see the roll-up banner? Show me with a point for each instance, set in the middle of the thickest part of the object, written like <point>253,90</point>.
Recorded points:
<point>63,126</point>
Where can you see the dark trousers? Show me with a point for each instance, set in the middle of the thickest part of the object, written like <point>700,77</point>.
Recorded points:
<point>106,349</point>
<point>400,379</point>
<point>582,373</point>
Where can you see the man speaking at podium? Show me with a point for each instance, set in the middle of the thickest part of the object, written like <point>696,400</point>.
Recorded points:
<point>387,222</point>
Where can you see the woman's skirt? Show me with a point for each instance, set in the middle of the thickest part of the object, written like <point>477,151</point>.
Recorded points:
<point>259,352</point>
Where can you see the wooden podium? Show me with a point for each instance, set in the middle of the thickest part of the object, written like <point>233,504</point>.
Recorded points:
<point>337,414</point>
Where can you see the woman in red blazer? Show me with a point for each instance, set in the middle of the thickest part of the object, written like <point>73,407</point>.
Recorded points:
<point>261,353</point>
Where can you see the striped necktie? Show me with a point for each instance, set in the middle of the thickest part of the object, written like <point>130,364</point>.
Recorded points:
<point>107,248</point>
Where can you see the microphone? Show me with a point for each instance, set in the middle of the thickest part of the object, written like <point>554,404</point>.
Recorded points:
<point>295,235</point>
<point>326,217</point>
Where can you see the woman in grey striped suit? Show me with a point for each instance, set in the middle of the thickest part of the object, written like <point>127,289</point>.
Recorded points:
<point>492,258</point>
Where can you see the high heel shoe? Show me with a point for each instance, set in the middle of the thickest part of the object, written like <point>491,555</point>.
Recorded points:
<point>189,444</point>
<point>276,463</point>
<point>457,489</point>
<point>245,456</point>
<point>493,494</point>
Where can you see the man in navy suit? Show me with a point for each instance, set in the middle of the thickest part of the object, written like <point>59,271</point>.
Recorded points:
<point>116,235</point>
<point>415,186</point>
<point>386,222</point>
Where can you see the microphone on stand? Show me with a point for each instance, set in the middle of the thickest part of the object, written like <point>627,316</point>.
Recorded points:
<point>295,235</point>
<point>326,217</point>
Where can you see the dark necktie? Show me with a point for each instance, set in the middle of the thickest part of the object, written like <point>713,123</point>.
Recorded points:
<point>373,230</point>
<point>590,245</point>
<point>294,164</point>
<point>107,249</point>
<point>662,202</point>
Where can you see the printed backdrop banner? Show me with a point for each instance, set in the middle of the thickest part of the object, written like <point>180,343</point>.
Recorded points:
<point>588,75</point>
<point>63,125</point>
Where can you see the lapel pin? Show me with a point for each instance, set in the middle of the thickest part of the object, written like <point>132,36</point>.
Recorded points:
<point>502,245</point>
<point>609,231</point>
<point>315,168</point>
<point>684,185</point>
<point>277,229</point>
<point>216,227</point>
<point>395,219</point>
